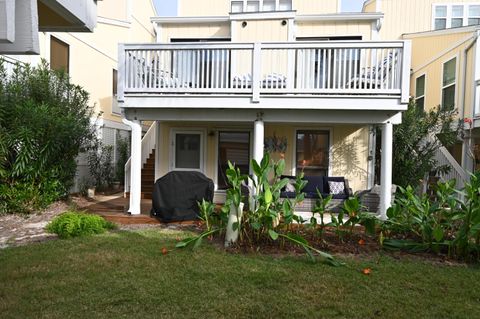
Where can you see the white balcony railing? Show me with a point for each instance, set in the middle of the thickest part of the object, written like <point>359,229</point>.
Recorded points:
<point>256,69</point>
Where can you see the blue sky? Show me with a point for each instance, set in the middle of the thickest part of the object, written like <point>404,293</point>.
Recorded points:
<point>169,7</point>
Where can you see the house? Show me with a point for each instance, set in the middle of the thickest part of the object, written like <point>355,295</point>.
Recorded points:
<point>91,61</point>
<point>445,70</point>
<point>225,76</point>
<point>20,21</point>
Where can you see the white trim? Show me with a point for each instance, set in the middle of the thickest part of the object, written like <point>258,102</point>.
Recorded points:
<point>203,148</point>
<point>443,87</point>
<point>353,16</point>
<point>430,33</point>
<point>184,20</point>
<point>114,22</point>
<point>339,6</point>
<point>312,128</point>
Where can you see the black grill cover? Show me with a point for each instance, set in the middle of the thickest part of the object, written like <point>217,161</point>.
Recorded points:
<point>176,194</point>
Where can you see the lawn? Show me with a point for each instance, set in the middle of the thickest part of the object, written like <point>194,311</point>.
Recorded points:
<point>125,275</point>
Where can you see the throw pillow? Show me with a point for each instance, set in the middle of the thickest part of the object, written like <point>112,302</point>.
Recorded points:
<point>336,188</point>
<point>290,187</point>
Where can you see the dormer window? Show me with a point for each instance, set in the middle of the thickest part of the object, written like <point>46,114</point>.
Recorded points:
<point>260,5</point>
<point>455,15</point>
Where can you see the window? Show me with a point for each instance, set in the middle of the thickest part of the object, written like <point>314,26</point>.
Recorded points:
<point>233,147</point>
<point>59,55</point>
<point>238,6</point>
<point>188,151</point>
<point>420,92</point>
<point>268,5</point>
<point>455,15</point>
<point>312,154</point>
<point>473,14</point>
<point>115,108</point>
<point>448,84</point>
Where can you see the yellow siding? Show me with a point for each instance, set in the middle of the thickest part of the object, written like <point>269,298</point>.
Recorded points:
<point>93,56</point>
<point>371,6</point>
<point>441,48</point>
<point>315,7</point>
<point>349,149</point>
<point>407,16</point>
<point>113,9</point>
<point>435,44</point>
<point>332,28</point>
<point>260,31</point>
<point>196,8</point>
<point>192,31</point>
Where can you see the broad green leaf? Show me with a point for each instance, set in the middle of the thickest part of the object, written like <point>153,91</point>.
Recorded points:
<point>273,234</point>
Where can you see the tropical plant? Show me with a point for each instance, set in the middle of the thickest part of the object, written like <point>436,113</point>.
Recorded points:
<point>44,125</point>
<point>100,165</point>
<point>123,155</point>
<point>416,141</point>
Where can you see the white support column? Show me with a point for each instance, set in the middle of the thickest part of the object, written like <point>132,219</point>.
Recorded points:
<point>136,168</point>
<point>386,170</point>
<point>258,138</point>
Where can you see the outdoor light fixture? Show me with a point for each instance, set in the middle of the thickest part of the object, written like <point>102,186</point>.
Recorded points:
<point>284,22</point>
<point>244,24</point>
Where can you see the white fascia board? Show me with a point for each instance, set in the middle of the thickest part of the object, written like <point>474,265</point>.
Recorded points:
<point>26,30</point>
<point>188,20</point>
<point>81,13</point>
<point>340,17</point>
<point>268,116</point>
<point>363,103</point>
<point>441,32</point>
<point>7,21</point>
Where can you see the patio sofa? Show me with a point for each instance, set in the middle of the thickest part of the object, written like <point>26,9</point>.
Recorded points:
<point>336,186</point>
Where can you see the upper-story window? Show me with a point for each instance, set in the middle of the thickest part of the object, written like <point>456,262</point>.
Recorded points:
<point>455,15</point>
<point>260,5</point>
<point>420,92</point>
<point>59,55</point>
<point>449,84</point>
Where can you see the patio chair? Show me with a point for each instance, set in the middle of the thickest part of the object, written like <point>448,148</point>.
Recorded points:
<point>376,76</point>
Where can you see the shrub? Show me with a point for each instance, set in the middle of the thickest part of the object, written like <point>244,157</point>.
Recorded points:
<point>74,224</point>
<point>44,124</point>
<point>123,155</point>
<point>100,165</point>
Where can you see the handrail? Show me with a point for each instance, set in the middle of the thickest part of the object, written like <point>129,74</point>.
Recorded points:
<point>256,69</point>
<point>148,144</point>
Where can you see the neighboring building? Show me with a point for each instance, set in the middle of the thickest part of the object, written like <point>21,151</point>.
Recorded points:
<point>20,21</point>
<point>224,76</point>
<point>91,61</point>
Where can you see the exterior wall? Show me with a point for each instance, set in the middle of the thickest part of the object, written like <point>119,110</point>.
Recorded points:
<point>406,16</point>
<point>333,28</point>
<point>189,8</point>
<point>195,8</point>
<point>445,47</point>
<point>348,149</point>
<point>315,7</point>
<point>469,104</point>
<point>260,31</point>
<point>194,31</point>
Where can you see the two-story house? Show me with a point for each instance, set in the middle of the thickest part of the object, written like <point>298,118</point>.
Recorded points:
<point>90,58</point>
<point>228,80</point>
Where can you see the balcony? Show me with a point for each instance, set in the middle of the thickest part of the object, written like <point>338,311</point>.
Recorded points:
<point>337,75</point>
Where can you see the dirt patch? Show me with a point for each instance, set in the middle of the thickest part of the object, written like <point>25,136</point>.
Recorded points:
<point>16,230</point>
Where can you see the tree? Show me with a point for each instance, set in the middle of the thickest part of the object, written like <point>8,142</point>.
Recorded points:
<point>44,124</point>
<point>418,138</point>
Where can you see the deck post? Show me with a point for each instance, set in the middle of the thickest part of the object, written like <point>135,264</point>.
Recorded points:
<point>386,169</point>
<point>258,138</point>
<point>136,168</point>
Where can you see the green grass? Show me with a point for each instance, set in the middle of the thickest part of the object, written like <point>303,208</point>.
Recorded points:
<point>125,275</point>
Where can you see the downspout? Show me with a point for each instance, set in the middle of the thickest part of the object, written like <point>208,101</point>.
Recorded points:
<point>467,147</point>
<point>135,165</point>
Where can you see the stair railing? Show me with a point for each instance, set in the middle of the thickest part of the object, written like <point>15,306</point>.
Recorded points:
<point>148,144</point>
